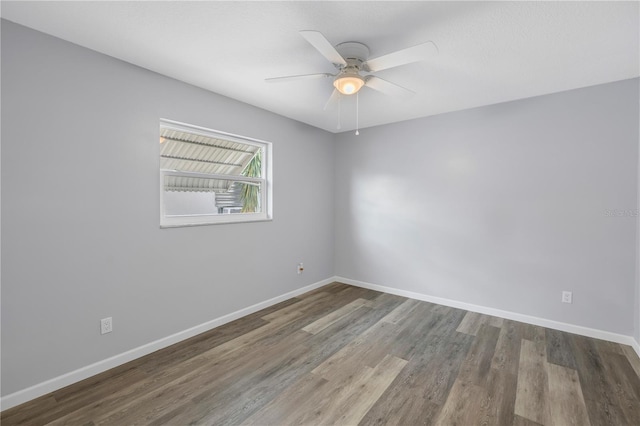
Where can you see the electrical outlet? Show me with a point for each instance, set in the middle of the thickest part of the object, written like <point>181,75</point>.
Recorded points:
<point>300,268</point>
<point>106,325</point>
<point>567,297</point>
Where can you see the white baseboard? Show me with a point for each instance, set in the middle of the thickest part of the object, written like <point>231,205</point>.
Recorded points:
<point>636,347</point>
<point>67,379</point>
<point>556,325</point>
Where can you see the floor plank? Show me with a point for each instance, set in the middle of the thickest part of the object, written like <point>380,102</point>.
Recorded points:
<point>335,316</point>
<point>349,404</point>
<point>507,352</point>
<point>464,405</point>
<point>532,391</point>
<point>401,312</point>
<point>566,402</point>
<point>498,409</point>
<point>632,357</point>
<point>293,403</point>
<point>471,323</point>
<point>477,365</point>
<point>521,421</point>
<point>559,349</point>
<point>597,388</point>
<point>420,390</point>
<point>625,384</point>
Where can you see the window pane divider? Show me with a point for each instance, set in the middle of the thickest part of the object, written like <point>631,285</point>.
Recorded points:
<point>239,178</point>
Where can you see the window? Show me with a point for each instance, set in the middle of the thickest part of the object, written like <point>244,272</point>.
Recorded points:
<point>209,177</point>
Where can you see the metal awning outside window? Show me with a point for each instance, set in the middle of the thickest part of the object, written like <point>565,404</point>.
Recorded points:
<point>189,152</point>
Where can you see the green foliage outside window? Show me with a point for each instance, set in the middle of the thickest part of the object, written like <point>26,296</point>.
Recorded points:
<point>250,194</point>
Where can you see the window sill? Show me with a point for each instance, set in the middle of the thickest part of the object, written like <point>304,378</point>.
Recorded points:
<point>180,222</point>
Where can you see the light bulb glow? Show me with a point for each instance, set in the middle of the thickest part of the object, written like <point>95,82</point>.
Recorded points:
<point>348,84</point>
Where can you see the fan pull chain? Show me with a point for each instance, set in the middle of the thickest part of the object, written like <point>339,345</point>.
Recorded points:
<point>357,113</point>
<point>339,111</point>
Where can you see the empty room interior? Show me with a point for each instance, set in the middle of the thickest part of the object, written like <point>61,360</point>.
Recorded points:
<point>320,213</point>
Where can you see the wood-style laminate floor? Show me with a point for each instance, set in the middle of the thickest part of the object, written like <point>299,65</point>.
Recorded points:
<point>346,355</point>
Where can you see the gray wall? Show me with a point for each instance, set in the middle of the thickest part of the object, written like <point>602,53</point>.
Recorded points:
<point>637,298</point>
<point>502,206</point>
<point>636,318</point>
<point>80,222</point>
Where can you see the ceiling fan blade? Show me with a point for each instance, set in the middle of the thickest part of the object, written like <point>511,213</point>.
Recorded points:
<point>332,99</point>
<point>297,77</point>
<point>317,40</point>
<point>405,56</point>
<point>387,87</point>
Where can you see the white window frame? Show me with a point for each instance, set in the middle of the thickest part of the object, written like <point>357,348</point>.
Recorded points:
<point>266,183</point>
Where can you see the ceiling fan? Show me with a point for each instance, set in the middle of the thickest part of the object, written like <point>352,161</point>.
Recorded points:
<point>355,69</point>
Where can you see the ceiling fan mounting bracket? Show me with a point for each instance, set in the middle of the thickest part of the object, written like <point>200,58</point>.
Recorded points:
<point>354,51</point>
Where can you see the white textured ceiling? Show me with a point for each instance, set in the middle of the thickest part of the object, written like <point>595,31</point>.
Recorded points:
<point>490,52</point>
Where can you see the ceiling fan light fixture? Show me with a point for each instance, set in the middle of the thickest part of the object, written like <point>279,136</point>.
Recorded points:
<point>348,83</point>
